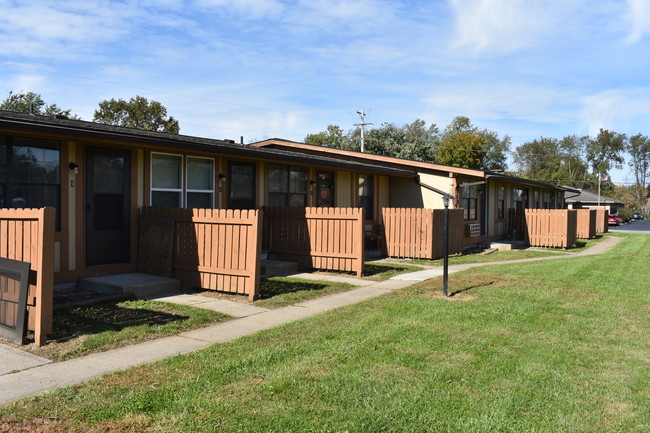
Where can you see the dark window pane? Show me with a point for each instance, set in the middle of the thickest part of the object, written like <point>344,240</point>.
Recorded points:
<point>108,175</point>
<point>277,199</point>
<point>298,200</point>
<point>242,186</point>
<point>199,200</point>
<point>165,198</point>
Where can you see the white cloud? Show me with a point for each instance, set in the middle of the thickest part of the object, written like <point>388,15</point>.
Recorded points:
<point>500,100</point>
<point>501,25</point>
<point>617,109</point>
<point>638,15</point>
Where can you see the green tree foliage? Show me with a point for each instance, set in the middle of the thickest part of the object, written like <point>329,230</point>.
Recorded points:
<point>415,141</point>
<point>464,145</point>
<point>558,162</point>
<point>31,102</point>
<point>604,151</point>
<point>333,137</point>
<point>638,147</point>
<point>137,113</point>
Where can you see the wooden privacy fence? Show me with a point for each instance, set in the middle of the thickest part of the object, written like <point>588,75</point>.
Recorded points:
<point>27,235</point>
<point>601,219</point>
<point>586,224</point>
<point>215,248</point>
<point>419,233</point>
<point>555,228</point>
<point>316,237</point>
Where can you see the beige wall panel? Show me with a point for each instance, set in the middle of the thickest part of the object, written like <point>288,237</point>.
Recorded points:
<point>344,189</point>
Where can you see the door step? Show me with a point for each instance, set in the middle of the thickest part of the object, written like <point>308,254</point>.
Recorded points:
<point>277,267</point>
<point>140,285</point>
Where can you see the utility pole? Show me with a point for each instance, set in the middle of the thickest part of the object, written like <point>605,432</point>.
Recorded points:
<point>363,124</point>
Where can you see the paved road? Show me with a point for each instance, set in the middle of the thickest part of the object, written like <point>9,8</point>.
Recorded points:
<point>637,226</point>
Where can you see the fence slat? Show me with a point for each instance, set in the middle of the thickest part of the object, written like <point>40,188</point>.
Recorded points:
<point>215,249</point>
<point>419,233</point>
<point>318,238</point>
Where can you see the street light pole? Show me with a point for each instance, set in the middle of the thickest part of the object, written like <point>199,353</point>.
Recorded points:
<point>445,272</point>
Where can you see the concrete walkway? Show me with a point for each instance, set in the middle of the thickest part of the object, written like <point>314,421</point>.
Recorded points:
<point>23,375</point>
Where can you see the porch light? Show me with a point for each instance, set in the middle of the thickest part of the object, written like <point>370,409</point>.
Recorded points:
<point>222,177</point>
<point>445,200</point>
<point>74,167</point>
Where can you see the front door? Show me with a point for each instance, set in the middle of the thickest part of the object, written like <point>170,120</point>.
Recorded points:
<point>325,189</point>
<point>108,206</point>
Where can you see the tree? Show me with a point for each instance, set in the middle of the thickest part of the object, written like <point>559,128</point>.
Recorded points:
<point>30,102</point>
<point>604,151</point>
<point>137,113</point>
<point>413,141</point>
<point>638,147</point>
<point>464,145</point>
<point>558,162</point>
<point>333,137</point>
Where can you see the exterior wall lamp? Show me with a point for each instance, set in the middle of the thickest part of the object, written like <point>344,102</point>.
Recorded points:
<point>74,167</point>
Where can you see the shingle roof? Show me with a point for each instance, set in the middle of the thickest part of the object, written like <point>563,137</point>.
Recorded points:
<point>586,196</point>
<point>81,128</point>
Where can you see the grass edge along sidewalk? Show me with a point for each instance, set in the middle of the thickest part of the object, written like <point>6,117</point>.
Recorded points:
<point>32,381</point>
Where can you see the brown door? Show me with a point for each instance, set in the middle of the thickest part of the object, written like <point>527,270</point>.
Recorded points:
<point>325,189</point>
<point>108,206</point>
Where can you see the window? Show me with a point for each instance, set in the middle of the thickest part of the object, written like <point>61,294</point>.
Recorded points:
<point>242,185</point>
<point>166,180</point>
<point>287,186</point>
<point>501,201</point>
<point>547,200</point>
<point>200,182</point>
<point>30,173</point>
<point>366,195</point>
<point>518,198</point>
<point>470,201</point>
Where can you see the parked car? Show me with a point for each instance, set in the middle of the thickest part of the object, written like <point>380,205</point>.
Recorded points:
<point>612,220</point>
<point>637,216</point>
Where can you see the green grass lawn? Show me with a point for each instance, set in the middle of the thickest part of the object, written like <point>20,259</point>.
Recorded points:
<point>101,327</point>
<point>549,346</point>
<point>276,292</point>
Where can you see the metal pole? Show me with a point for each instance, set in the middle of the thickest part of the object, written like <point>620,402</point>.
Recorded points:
<point>445,272</point>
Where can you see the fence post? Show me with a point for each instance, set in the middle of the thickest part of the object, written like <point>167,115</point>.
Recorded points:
<point>45,276</point>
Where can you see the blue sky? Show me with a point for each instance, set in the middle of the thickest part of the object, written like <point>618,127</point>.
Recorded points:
<point>275,68</point>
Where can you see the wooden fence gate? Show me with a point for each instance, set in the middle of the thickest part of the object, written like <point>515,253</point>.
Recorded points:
<point>419,233</point>
<point>328,238</point>
<point>27,235</point>
<point>215,249</point>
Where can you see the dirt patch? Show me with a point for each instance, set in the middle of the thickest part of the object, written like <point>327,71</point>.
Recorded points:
<point>36,425</point>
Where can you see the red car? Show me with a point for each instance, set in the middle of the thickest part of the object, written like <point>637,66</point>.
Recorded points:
<point>612,220</point>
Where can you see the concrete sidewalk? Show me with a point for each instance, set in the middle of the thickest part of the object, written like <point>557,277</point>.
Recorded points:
<point>23,375</point>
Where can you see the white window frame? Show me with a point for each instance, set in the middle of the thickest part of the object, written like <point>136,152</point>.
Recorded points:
<point>178,190</point>
<point>204,191</point>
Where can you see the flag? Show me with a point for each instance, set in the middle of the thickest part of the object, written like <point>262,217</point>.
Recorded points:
<point>603,177</point>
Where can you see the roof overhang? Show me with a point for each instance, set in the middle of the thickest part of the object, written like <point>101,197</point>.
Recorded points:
<point>134,137</point>
<point>407,164</point>
<point>527,182</point>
